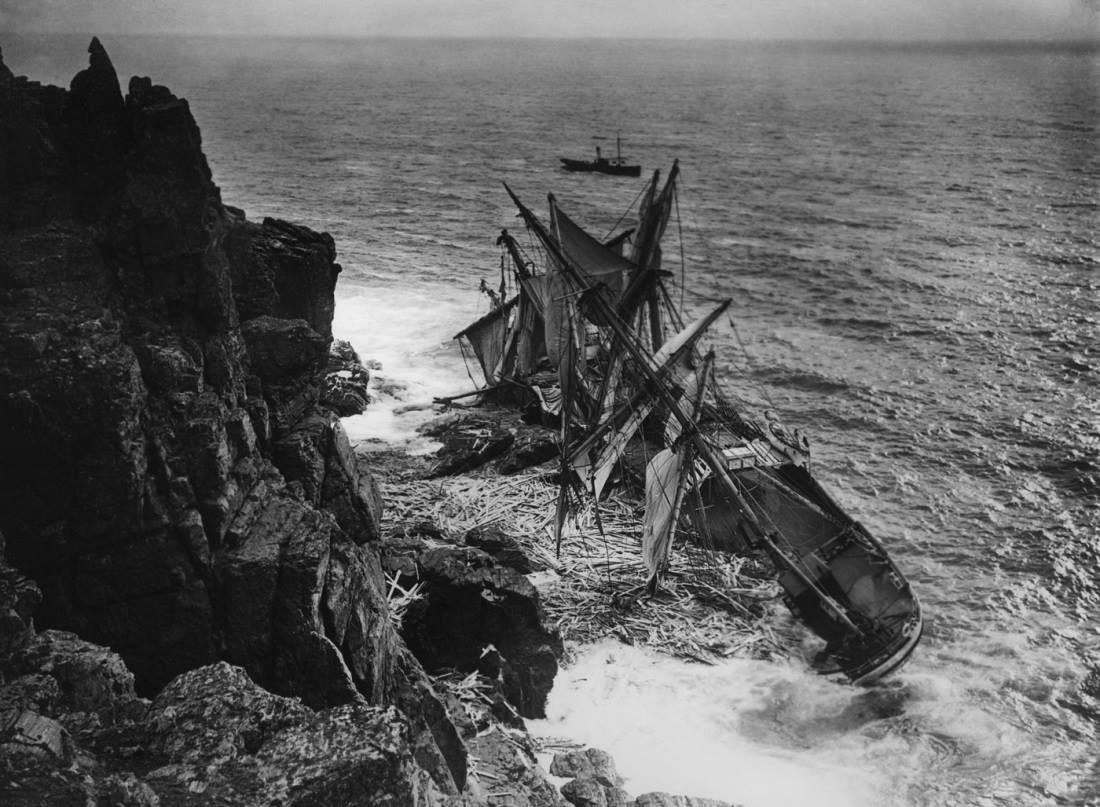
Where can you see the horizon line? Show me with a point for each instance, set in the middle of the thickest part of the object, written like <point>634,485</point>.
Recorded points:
<point>1093,40</point>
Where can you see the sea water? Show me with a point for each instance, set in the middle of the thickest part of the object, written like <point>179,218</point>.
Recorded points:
<point>911,239</point>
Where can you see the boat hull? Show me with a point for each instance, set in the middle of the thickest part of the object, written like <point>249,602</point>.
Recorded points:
<point>601,166</point>
<point>837,579</point>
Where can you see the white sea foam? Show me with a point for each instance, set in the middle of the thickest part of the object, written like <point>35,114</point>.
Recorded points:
<point>408,332</point>
<point>722,732</point>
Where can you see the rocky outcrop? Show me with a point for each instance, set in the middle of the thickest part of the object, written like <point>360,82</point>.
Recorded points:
<point>471,440</point>
<point>476,613</point>
<point>73,730</point>
<point>346,389</point>
<point>278,751</point>
<point>173,482</point>
<point>593,780</point>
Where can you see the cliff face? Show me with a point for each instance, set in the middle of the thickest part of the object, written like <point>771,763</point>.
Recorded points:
<point>169,478</point>
<point>176,492</point>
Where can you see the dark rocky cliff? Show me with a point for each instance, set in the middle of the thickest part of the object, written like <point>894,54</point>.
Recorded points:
<point>159,356</point>
<point>172,479</point>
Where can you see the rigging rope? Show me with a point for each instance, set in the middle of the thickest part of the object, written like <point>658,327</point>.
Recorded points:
<point>626,212</point>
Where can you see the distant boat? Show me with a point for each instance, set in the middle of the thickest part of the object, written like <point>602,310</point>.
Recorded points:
<point>604,165</point>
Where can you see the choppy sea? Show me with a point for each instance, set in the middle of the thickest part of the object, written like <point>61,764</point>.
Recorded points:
<point>911,238</point>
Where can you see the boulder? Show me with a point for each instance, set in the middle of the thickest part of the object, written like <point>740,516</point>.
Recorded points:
<point>216,737</point>
<point>508,765</point>
<point>468,443</point>
<point>473,606</point>
<point>594,781</point>
<point>346,389</point>
<point>589,763</point>
<point>532,446</point>
<point>503,548</point>
<point>584,793</point>
<point>89,678</point>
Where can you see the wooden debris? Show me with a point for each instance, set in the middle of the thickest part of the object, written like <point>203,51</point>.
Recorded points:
<point>708,607</point>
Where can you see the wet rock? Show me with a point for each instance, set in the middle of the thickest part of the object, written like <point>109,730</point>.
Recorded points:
<point>283,270</point>
<point>317,454</point>
<point>584,793</point>
<point>28,739</point>
<point>504,549</point>
<point>589,763</point>
<point>347,381</point>
<point>471,445</point>
<point>126,790</point>
<point>18,599</point>
<point>510,771</point>
<point>472,603</point>
<point>89,678</point>
<point>222,739</point>
<point>437,745</point>
<point>532,446</point>
<point>287,356</point>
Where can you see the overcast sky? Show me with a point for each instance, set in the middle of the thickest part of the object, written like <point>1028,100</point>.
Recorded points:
<point>738,19</point>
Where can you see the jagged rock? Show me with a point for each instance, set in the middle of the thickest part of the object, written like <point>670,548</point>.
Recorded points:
<point>584,793</point>
<point>304,609</point>
<point>126,790</point>
<point>437,744</point>
<point>28,738</point>
<point>468,442</point>
<point>470,603</point>
<point>504,549</point>
<point>532,446</point>
<point>90,678</point>
<point>283,270</point>
<point>18,599</point>
<point>222,739</point>
<point>287,356</point>
<point>36,692</point>
<point>510,770</point>
<point>281,349</point>
<point>589,763</point>
<point>346,389</point>
<point>96,124</point>
<point>617,797</point>
<point>317,454</point>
